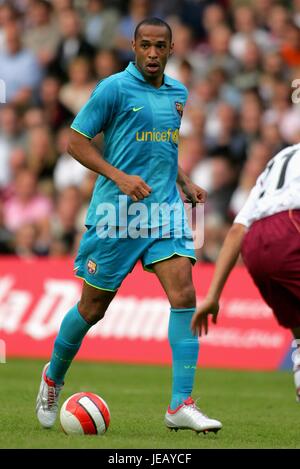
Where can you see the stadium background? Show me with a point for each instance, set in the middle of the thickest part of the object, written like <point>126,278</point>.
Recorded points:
<point>238,60</point>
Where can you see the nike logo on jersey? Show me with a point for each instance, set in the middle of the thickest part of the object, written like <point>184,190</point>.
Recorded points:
<point>136,109</point>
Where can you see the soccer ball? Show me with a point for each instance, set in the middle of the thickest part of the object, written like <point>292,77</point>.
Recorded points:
<point>84,413</point>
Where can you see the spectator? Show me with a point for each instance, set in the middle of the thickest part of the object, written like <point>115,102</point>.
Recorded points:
<point>191,152</point>
<point>71,45</point>
<point>282,113</point>
<point>271,137</point>
<point>220,177</point>
<point>106,63</point>
<point>250,73</point>
<point>227,92</point>
<point>290,45</point>
<point>223,183</point>
<point>63,224</point>
<point>10,138</point>
<point>184,51</point>
<point>19,68</point>
<point>219,54</point>
<point>273,71</point>
<point>296,12</point>
<point>213,16</point>
<point>42,35</point>
<point>8,14</point>
<point>250,119</point>
<point>68,172</point>
<point>60,6</point>
<point>258,157</point>
<point>137,11</point>
<point>247,31</point>
<point>5,235</point>
<point>101,24</point>
<point>74,94</point>
<point>25,241</point>
<point>262,10</point>
<point>224,133</point>
<point>277,21</point>
<point>191,14</point>
<point>41,157</point>
<point>56,114</point>
<point>165,8</point>
<point>27,204</point>
<point>34,116</point>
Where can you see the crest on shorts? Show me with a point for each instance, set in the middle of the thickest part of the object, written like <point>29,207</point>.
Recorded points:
<point>91,267</point>
<point>179,108</point>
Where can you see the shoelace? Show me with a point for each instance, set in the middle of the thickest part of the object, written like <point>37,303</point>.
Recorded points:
<point>193,408</point>
<point>53,392</point>
<point>51,397</point>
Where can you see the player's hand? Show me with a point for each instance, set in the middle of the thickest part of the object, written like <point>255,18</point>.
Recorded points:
<point>194,193</point>
<point>134,186</point>
<point>199,322</point>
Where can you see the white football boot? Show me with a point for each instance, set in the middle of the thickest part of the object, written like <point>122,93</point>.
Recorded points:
<point>187,416</point>
<point>296,370</point>
<point>47,400</point>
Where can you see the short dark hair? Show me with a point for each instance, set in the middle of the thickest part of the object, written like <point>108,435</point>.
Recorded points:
<point>153,22</point>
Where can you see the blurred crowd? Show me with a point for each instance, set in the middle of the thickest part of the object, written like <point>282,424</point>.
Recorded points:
<point>238,59</point>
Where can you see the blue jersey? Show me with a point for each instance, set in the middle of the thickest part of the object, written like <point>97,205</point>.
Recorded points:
<point>141,129</point>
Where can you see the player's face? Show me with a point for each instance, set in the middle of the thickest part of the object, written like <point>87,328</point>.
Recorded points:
<point>152,49</point>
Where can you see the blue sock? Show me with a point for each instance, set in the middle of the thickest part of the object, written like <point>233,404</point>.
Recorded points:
<point>67,343</point>
<point>185,348</point>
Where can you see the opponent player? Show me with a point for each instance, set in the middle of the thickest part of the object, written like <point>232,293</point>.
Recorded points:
<point>267,233</point>
<point>139,112</point>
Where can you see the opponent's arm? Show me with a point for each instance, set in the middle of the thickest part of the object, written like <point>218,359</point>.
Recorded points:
<point>193,192</point>
<point>81,148</point>
<point>225,263</point>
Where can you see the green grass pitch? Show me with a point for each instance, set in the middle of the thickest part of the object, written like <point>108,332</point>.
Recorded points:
<point>257,409</point>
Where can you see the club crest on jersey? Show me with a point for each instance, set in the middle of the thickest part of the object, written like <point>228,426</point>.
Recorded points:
<point>91,267</point>
<point>179,108</point>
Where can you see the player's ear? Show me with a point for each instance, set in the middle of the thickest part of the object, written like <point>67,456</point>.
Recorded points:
<point>171,49</point>
<point>133,45</point>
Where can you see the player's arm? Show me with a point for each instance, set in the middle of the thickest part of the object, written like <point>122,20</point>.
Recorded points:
<point>193,192</point>
<point>96,115</point>
<point>226,260</point>
<point>81,148</point>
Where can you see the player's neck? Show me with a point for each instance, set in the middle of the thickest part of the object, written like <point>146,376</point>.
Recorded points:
<point>156,81</point>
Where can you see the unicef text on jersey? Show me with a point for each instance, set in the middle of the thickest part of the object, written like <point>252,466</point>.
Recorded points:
<point>145,219</point>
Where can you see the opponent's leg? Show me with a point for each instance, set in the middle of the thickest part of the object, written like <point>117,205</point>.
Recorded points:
<point>175,275</point>
<point>296,362</point>
<point>75,325</point>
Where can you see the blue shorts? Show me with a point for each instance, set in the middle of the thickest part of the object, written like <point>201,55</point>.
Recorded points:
<point>105,262</point>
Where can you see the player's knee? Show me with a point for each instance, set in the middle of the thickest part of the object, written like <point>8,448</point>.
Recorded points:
<point>92,310</point>
<point>184,297</point>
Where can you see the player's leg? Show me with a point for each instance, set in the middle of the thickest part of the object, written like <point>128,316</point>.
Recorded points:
<point>103,263</point>
<point>175,275</point>
<point>75,325</point>
<point>271,254</point>
<point>296,362</point>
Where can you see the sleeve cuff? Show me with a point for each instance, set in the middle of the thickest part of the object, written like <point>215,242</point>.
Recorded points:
<point>82,133</point>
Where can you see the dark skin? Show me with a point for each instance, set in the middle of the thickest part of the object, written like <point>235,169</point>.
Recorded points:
<point>152,49</point>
